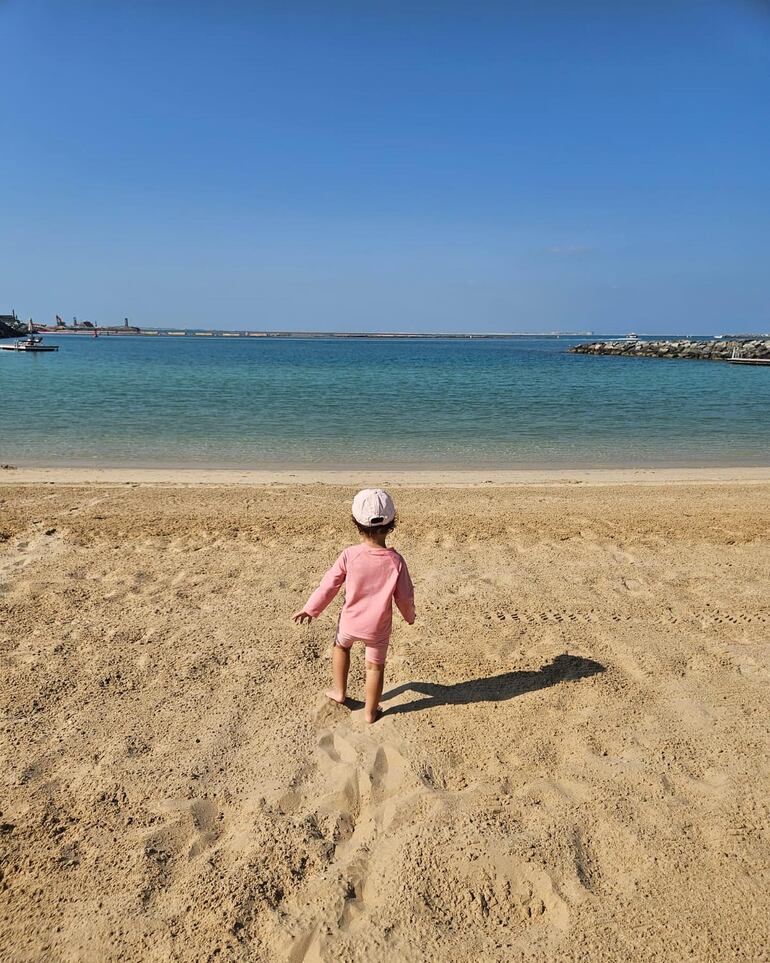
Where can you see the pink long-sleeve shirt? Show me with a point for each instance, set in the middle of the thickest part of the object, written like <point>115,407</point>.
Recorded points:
<point>374,578</point>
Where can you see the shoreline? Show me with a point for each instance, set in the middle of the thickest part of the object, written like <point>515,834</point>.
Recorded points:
<point>409,477</point>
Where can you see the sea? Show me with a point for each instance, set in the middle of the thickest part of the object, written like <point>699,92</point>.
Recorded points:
<point>373,403</point>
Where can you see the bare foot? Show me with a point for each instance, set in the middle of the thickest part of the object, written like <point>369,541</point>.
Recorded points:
<point>335,697</point>
<point>377,715</point>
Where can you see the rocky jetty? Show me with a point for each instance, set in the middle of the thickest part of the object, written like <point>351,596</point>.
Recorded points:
<point>713,350</point>
<point>11,327</point>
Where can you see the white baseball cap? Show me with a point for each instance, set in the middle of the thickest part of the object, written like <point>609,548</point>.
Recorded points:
<point>373,506</point>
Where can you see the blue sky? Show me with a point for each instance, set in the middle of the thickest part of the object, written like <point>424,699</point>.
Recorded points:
<point>395,166</point>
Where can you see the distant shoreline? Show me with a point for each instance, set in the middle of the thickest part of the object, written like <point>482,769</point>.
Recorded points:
<point>191,333</point>
<point>300,335</point>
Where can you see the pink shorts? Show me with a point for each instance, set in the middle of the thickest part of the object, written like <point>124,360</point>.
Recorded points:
<point>376,652</point>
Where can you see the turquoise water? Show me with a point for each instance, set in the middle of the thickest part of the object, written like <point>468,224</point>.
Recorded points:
<point>381,403</point>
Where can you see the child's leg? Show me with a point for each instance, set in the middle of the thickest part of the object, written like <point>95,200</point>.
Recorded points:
<point>340,669</point>
<point>375,677</point>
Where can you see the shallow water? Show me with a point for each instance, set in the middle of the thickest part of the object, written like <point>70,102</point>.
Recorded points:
<point>230,402</point>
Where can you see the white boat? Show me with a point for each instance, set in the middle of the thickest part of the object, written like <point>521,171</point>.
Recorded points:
<point>32,343</point>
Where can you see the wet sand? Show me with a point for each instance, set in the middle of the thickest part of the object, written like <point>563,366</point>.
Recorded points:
<point>572,764</point>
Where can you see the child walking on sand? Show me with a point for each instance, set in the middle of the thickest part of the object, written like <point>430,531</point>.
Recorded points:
<point>375,576</point>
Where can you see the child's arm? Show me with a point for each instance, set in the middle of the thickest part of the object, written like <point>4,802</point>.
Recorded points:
<point>330,585</point>
<point>404,594</point>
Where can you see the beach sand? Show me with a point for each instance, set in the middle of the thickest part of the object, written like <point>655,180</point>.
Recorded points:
<point>572,765</point>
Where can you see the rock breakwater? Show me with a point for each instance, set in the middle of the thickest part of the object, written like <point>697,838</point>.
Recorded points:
<point>712,350</point>
<point>11,327</point>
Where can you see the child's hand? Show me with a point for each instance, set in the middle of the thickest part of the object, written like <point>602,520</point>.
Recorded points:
<point>301,617</point>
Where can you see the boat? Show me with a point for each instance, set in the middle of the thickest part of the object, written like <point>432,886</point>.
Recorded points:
<point>735,358</point>
<point>33,343</point>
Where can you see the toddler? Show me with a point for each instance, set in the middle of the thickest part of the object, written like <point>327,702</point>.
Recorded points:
<point>374,577</point>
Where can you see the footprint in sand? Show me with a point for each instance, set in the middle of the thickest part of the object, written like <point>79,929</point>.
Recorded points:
<point>197,824</point>
<point>337,748</point>
<point>387,773</point>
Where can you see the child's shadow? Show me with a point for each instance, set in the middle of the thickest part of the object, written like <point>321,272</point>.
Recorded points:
<point>495,688</point>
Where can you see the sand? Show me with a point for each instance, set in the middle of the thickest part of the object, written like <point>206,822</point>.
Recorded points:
<point>572,765</point>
